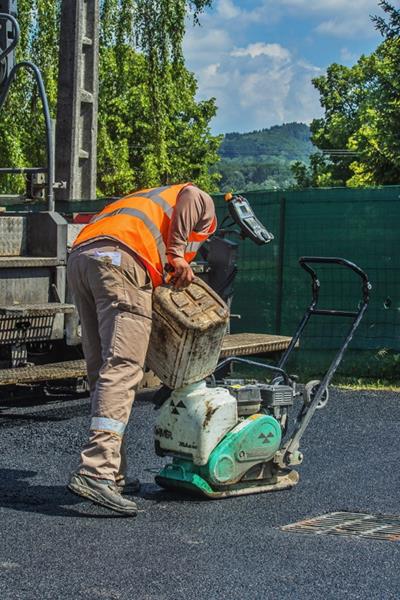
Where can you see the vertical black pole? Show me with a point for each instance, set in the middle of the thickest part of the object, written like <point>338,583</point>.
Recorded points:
<point>281,260</point>
<point>9,34</point>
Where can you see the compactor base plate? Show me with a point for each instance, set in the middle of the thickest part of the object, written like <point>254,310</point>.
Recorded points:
<point>181,480</point>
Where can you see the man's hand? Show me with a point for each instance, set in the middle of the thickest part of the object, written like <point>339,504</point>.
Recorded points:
<point>183,274</point>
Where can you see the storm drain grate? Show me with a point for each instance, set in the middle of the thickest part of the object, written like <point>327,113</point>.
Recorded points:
<point>376,527</point>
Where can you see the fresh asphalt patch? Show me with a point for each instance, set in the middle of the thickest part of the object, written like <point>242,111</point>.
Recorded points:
<point>55,546</point>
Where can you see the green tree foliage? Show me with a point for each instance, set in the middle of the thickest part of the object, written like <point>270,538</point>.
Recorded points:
<point>151,128</point>
<point>21,123</point>
<point>362,115</point>
<point>290,141</point>
<point>390,28</point>
<point>319,172</point>
<point>262,159</point>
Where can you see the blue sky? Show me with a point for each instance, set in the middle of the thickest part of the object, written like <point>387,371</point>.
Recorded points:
<point>257,57</point>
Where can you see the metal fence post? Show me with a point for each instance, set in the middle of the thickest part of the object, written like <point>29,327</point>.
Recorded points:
<point>281,260</point>
<point>77,109</point>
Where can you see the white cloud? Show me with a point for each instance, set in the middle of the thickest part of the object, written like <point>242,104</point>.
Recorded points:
<point>227,9</point>
<point>267,11</point>
<point>256,81</point>
<point>347,56</point>
<point>258,49</point>
<point>304,64</point>
<point>340,18</point>
<point>256,86</point>
<point>346,28</point>
<point>324,6</point>
<point>211,71</point>
<point>270,11</point>
<point>204,44</point>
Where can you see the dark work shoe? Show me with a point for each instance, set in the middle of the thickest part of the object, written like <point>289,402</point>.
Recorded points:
<point>128,486</point>
<point>103,492</point>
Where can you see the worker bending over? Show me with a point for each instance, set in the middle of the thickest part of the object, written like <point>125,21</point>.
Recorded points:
<point>115,263</point>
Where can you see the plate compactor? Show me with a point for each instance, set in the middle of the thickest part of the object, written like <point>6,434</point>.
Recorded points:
<point>230,437</point>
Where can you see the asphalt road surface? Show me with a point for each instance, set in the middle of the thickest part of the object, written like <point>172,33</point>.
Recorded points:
<point>53,546</point>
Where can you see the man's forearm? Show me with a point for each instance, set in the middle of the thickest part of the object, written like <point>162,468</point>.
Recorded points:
<point>194,211</point>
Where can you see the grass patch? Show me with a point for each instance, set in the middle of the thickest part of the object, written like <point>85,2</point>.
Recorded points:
<point>348,382</point>
<point>366,383</point>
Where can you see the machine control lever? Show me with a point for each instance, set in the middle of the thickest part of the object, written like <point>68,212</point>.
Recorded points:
<point>243,215</point>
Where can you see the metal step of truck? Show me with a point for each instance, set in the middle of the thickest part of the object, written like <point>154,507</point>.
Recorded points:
<point>70,369</point>
<point>31,310</point>
<point>7,262</point>
<point>239,344</point>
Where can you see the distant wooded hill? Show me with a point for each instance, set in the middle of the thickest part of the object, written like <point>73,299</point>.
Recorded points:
<point>262,159</point>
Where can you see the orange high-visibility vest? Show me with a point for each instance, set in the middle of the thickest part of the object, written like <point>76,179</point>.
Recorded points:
<point>141,221</point>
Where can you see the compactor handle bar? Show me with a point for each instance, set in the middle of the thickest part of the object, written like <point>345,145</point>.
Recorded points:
<point>357,315</point>
<point>253,363</point>
<point>292,444</point>
<point>305,262</point>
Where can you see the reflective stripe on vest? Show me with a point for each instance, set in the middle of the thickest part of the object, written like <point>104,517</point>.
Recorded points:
<point>193,247</point>
<point>141,221</point>
<point>155,232</point>
<point>155,196</point>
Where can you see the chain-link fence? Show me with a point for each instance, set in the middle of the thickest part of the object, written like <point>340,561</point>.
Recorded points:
<point>272,291</point>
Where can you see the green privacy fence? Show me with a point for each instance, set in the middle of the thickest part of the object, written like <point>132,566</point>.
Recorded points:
<point>272,292</point>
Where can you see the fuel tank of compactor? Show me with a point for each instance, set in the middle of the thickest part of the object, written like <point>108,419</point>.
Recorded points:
<point>193,421</point>
<point>187,332</point>
<point>252,442</point>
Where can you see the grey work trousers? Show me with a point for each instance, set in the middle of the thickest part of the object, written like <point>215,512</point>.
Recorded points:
<point>113,293</point>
